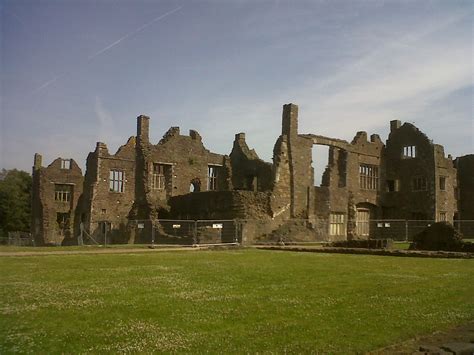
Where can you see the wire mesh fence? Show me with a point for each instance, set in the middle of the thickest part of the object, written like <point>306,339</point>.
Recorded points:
<point>187,232</point>
<point>18,239</point>
<point>405,230</point>
<point>292,231</point>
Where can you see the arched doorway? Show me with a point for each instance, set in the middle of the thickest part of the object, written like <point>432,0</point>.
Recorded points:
<point>195,185</point>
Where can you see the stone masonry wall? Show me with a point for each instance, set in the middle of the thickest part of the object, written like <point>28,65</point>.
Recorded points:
<point>53,219</point>
<point>408,202</point>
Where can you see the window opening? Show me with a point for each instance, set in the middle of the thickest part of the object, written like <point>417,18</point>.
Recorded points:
<point>62,193</point>
<point>442,183</point>
<point>159,178</point>
<point>368,177</point>
<point>116,181</point>
<point>392,185</point>
<point>65,163</point>
<point>337,224</point>
<point>419,183</point>
<point>409,151</point>
<point>212,178</point>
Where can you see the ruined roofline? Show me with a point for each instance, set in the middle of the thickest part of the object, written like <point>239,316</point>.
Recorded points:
<point>72,162</point>
<point>322,140</point>
<point>131,142</point>
<point>241,143</point>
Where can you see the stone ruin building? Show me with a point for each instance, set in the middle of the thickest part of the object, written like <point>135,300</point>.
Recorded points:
<point>408,177</point>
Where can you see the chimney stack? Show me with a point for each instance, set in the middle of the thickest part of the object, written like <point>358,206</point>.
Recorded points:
<point>290,120</point>
<point>394,125</point>
<point>143,130</point>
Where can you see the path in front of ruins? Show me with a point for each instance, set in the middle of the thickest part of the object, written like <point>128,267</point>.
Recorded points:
<point>457,340</point>
<point>100,251</point>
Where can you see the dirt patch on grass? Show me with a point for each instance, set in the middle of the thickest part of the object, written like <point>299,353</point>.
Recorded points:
<point>458,340</point>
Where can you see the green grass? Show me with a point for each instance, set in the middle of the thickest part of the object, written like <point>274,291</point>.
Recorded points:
<point>227,301</point>
<point>401,245</point>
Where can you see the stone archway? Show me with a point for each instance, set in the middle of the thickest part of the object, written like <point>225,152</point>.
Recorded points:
<point>195,185</point>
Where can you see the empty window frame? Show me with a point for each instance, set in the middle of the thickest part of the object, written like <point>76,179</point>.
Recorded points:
<point>442,217</point>
<point>159,176</point>
<point>442,183</point>
<point>62,219</point>
<point>392,185</point>
<point>337,224</point>
<point>116,181</point>
<point>65,163</point>
<point>368,177</point>
<point>419,183</point>
<point>409,151</point>
<point>212,177</point>
<point>62,193</point>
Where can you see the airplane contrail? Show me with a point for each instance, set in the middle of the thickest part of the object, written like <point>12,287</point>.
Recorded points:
<point>49,82</point>
<point>103,50</point>
<point>141,28</point>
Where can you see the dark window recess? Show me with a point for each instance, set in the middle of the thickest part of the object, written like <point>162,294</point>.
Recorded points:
<point>392,185</point>
<point>419,183</point>
<point>442,183</point>
<point>62,220</point>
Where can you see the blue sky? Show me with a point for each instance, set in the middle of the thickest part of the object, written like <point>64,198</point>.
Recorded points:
<point>76,72</point>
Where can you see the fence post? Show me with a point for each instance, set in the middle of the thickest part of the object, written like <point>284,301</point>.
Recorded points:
<point>236,230</point>
<point>195,240</point>
<point>406,231</point>
<point>152,233</point>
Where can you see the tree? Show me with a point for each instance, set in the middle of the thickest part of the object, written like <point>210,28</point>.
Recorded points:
<point>15,201</point>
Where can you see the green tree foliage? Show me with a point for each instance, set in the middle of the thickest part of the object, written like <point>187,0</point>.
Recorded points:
<point>15,201</point>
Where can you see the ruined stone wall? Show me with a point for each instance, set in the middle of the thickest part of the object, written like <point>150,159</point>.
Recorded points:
<point>190,161</point>
<point>465,173</point>
<point>236,204</point>
<point>281,193</point>
<point>249,172</point>
<point>408,201</point>
<point>184,163</point>
<point>101,204</point>
<point>157,180</point>
<point>365,153</point>
<point>299,159</point>
<point>53,216</point>
<point>341,190</point>
<point>445,186</point>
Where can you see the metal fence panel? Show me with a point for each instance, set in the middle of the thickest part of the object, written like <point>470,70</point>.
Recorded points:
<point>466,228</point>
<point>217,231</point>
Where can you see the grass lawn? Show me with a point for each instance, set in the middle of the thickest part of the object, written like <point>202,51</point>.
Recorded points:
<point>227,301</point>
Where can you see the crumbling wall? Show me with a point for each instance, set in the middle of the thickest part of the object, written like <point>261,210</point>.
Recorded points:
<point>445,186</point>
<point>249,172</point>
<point>221,205</point>
<point>465,193</point>
<point>157,181</point>
<point>105,206</point>
<point>341,191</point>
<point>409,201</point>
<point>299,154</point>
<point>53,214</point>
